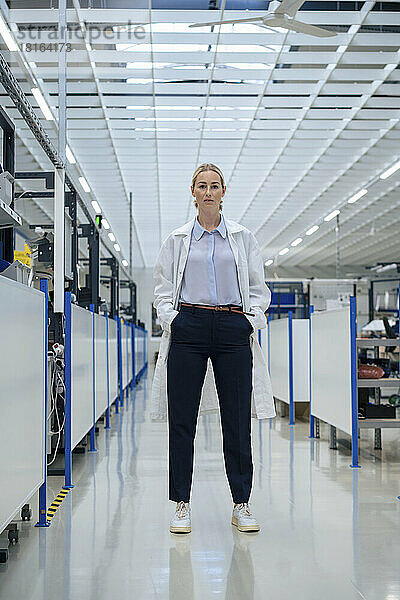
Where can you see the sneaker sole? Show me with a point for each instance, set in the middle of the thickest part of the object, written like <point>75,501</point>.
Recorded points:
<point>180,529</point>
<point>247,528</point>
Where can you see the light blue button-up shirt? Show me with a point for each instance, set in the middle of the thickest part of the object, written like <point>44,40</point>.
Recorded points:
<point>210,275</point>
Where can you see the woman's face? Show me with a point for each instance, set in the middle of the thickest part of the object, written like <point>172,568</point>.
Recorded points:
<point>208,190</point>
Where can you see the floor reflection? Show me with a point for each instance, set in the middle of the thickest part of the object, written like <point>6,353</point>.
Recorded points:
<point>239,579</point>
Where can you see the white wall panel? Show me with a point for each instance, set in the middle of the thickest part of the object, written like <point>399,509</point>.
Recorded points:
<point>81,373</point>
<point>301,360</point>
<point>124,355</point>
<point>113,358</point>
<point>129,353</point>
<point>21,396</point>
<point>101,365</point>
<point>279,360</point>
<point>331,372</point>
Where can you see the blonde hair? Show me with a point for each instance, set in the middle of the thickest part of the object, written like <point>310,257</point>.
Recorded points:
<point>207,167</point>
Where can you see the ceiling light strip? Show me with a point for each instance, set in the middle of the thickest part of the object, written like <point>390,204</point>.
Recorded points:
<point>205,107</point>
<point>92,63</point>
<point>153,90</point>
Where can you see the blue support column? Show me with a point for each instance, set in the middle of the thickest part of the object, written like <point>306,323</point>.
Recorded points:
<point>291,395</point>
<point>121,385</point>
<point>108,377</point>
<point>354,394</point>
<point>259,337</point>
<point>118,346</point>
<point>93,429</point>
<point>42,522</point>
<point>68,417</point>
<point>312,420</point>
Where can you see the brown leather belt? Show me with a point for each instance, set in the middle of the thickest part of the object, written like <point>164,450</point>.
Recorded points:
<point>235,309</point>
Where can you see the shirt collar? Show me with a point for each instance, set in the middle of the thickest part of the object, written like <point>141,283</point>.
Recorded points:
<point>198,230</point>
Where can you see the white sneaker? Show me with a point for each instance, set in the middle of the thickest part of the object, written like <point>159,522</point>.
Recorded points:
<point>181,521</point>
<point>243,519</point>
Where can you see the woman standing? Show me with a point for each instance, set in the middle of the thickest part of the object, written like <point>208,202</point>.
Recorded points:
<point>210,298</point>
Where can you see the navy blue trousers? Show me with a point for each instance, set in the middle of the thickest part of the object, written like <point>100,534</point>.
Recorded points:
<point>196,335</point>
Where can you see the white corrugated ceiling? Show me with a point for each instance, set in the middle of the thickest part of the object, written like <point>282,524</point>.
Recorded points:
<point>298,124</point>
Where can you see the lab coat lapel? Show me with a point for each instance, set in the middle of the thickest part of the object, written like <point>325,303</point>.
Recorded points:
<point>235,250</point>
<point>185,236</point>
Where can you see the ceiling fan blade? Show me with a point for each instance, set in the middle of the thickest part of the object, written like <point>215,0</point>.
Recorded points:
<point>301,27</point>
<point>226,22</point>
<point>289,7</point>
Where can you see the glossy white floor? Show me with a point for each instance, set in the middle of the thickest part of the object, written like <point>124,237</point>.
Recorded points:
<point>327,531</point>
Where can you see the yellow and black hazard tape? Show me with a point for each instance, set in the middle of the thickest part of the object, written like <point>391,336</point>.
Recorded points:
<point>51,511</point>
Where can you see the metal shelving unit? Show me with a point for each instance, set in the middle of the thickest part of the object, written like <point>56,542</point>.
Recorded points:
<point>378,383</point>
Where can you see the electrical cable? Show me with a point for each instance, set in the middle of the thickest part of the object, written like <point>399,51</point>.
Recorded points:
<point>56,381</point>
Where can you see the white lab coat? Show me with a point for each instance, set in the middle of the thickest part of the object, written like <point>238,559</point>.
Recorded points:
<point>168,274</point>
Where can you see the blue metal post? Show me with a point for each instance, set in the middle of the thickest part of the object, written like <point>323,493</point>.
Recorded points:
<point>259,337</point>
<point>42,522</point>
<point>121,385</point>
<point>108,377</point>
<point>354,395</point>
<point>68,391</point>
<point>312,420</point>
<point>291,396</point>
<point>117,398</point>
<point>133,355</point>
<point>93,430</point>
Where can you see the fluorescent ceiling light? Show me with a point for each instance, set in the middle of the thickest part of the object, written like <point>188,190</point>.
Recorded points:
<point>249,66</point>
<point>69,155</point>
<point>163,47</point>
<point>7,37</point>
<point>84,184</point>
<point>296,242</point>
<point>242,48</point>
<point>118,249</point>
<point>387,268</point>
<point>268,262</point>
<point>312,230</point>
<point>332,215</point>
<point>190,67</point>
<point>105,224</point>
<point>140,108</point>
<point>42,104</point>
<point>357,196</point>
<point>125,263</point>
<point>146,65</point>
<point>143,81</point>
<point>96,206</point>
<point>111,236</point>
<point>390,171</point>
<point>284,251</point>
<point>159,107</point>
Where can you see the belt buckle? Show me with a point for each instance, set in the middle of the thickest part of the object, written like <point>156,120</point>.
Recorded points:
<point>219,308</point>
